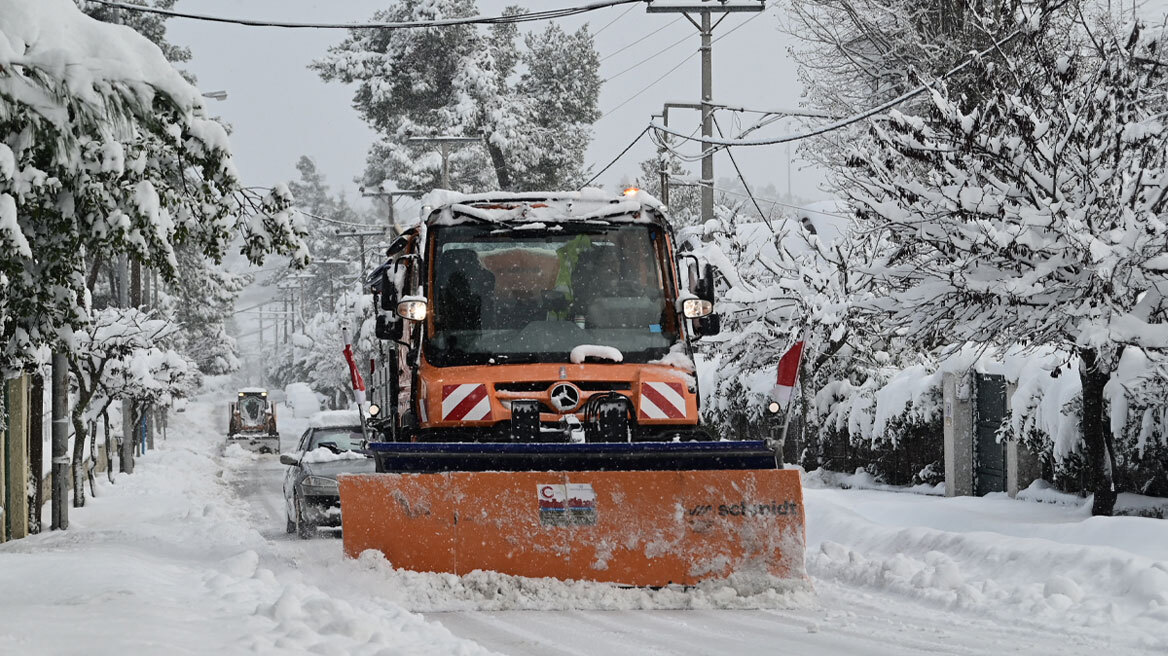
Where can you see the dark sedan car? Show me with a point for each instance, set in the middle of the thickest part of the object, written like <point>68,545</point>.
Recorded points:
<point>325,450</point>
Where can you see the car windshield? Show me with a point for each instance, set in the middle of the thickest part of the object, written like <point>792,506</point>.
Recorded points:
<point>534,293</point>
<point>344,438</point>
<point>252,407</point>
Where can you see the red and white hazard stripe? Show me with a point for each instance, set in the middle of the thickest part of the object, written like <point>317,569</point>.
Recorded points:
<point>468,402</point>
<point>662,401</point>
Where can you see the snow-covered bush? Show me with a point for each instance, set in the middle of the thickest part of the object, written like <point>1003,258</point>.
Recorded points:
<point>803,277</point>
<point>317,356</point>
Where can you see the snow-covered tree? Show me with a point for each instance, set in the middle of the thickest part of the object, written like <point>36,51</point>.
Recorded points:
<point>316,354</point>
<point>121,355</point>
<point>105,149</point>
<point>1037,215</point>
<point>152,26</point>
<point>200,300</point>
<point>685,200</point>
<point>335,260</point>
<point>466,81</point>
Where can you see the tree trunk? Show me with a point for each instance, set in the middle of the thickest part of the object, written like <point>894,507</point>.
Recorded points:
<point>109,445</point>
<point>500,163</point>
<point>79,433</point>
<point>36,452</point>
<point>1096,434</point>
<point>91,279</point>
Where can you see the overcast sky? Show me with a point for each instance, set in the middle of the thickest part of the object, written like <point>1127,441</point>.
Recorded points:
<point>280,110</point>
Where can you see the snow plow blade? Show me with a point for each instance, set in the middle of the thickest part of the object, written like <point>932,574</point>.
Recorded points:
<point>634,522</point>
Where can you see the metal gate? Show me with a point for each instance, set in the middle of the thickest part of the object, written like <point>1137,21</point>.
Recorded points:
<point>989,456</point>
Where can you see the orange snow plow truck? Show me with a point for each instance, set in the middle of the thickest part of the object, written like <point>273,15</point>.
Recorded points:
<point>535,404</point>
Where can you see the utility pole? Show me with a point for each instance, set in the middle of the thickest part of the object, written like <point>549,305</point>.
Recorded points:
<point>444,145</point>
<point>662,160</point>
<point>390,197</point>
<point>361,243</point>
<point>706,9</point>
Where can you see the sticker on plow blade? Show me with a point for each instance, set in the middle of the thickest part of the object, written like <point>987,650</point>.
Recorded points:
<point>573,504</point>
<point>468,402</point>
<point>662,401</point>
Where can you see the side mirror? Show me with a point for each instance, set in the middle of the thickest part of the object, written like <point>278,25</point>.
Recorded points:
<point>290,460</point>
<point>388,293</point>
<point>708,326</point>
<point>704,289</point>
<point>386,328</point>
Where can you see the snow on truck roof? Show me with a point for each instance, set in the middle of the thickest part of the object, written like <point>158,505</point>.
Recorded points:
<point>442,207</point>
<point>252,390</point>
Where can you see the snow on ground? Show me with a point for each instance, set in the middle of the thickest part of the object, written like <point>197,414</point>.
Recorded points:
<point>168,561</point>
<point>189,555</point>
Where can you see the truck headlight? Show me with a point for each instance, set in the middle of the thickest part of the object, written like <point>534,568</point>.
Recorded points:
<point>374,409</point>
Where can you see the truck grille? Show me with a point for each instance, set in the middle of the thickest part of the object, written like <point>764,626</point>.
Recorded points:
<point>584,385</point>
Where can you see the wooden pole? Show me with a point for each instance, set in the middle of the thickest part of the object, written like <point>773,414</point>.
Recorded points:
<point>16,456</point>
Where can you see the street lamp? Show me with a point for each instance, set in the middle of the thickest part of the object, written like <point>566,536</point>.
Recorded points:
<point>216,95</point>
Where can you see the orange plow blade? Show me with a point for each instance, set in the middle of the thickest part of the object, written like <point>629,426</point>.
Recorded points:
<point>641,528</point>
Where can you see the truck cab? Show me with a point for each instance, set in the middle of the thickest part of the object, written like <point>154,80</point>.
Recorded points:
<point>539,318</point>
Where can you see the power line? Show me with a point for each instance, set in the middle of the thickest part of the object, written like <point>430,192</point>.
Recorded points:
<point>347,224</point>
<point>639,40</point>
<point>650,57</point>
<point>650,85</point>
<point>856,118</point>
<point>679,65</point>
<point>772,201</point>
<point>548,14</point>
<point>613,21</point>
<point>741,178</point>
<point>617,158</point>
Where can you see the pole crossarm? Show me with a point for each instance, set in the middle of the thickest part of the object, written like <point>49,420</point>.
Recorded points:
<point>378,233</point>
<point>440,140</point>
<point>718,6</point>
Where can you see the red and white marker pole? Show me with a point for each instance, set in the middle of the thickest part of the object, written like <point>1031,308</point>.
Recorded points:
<point>786,378</point>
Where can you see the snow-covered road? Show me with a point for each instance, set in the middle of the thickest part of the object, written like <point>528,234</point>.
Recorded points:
<point>189,555</point>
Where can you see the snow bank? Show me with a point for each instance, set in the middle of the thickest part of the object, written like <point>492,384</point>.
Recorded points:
<point>1054,566</point>
<point>491,591</point>
<point>862,480</point>
<point>303,401</point>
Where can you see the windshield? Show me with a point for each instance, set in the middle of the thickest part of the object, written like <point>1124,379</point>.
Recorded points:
<point>345,438</point>
<point>251,409</point>
<point>532,294</point>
